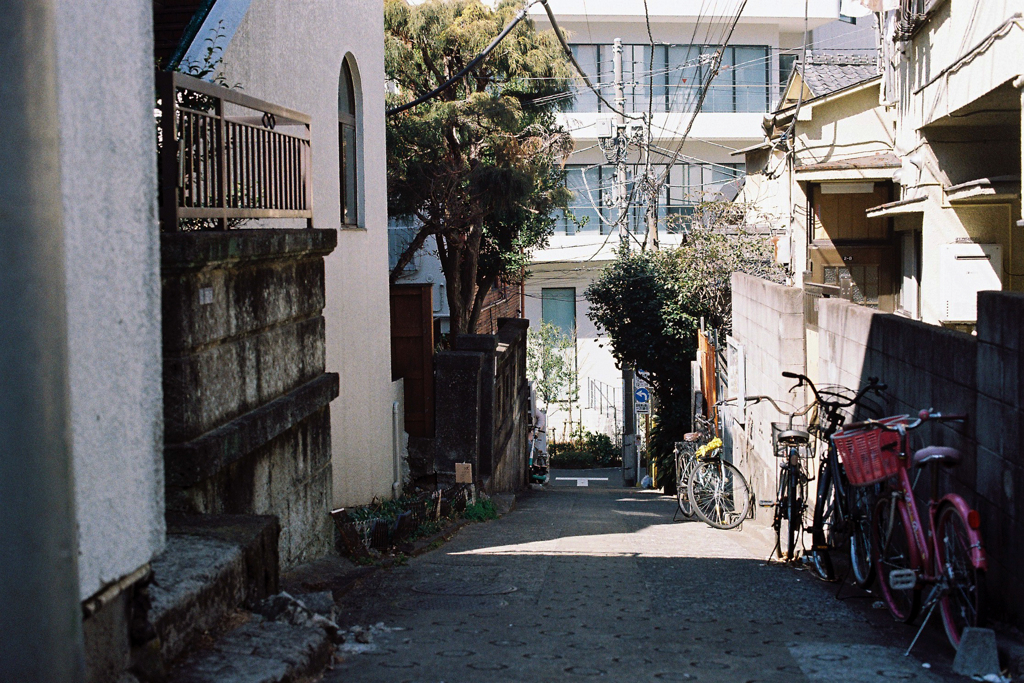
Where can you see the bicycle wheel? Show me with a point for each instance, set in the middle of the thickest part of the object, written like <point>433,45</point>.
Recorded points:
<point>962,602</point>
<point>894,549</point>
<point>719,494</point>
<point>823,527</point>
<point>860,535</point>
<point>683,469</point>
<point>788,514</point>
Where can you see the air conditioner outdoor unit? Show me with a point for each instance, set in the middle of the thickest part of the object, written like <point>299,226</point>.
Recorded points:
<point>964,270</point>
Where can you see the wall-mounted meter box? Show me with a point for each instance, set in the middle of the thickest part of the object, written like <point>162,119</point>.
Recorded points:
<point>605,128</point>
<point>965,270</point>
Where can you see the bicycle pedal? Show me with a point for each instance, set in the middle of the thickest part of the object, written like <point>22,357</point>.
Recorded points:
<point>902,579</point>
<point>765,503</point>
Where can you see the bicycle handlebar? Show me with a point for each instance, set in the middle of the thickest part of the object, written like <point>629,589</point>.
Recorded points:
<point>873,385</point>
<point>926,415</point>
<point>758,399</point>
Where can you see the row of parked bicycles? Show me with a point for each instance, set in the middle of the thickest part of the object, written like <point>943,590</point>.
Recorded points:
<point>925,556</point>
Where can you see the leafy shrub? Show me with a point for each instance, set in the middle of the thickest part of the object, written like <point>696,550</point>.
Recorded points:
<point>585,450</point>
<point>480,511</point>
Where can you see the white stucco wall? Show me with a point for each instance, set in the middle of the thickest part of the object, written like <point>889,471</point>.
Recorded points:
<point>108,163</point>
<point>290,53</point>
<point>968,51</point>
<point>593,347</point>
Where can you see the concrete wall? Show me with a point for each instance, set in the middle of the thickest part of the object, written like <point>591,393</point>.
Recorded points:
<point>291,53</point>
<point>108,174</point>
<point>246,398</point>
<point>930,367</point>
<point>768,325</point>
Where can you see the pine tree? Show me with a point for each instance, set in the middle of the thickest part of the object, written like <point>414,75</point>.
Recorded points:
<point>479,167</point>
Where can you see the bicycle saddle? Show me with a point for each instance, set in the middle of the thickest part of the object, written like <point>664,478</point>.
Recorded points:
<point>794,436</point>
<point>941,454</point>
<point>690,437</point>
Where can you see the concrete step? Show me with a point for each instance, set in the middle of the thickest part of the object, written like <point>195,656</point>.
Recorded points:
<point>213,564</point>
<point>259,651</point>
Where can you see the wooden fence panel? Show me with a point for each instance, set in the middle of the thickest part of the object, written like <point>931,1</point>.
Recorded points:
<point>412,354</point>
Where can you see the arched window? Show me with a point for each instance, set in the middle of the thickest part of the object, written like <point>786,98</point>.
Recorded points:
<point>347,146</point>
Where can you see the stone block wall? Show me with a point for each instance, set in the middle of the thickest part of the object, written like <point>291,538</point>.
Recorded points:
<point>511,407</point>
<point>247,421</point>
<point>482,400</point>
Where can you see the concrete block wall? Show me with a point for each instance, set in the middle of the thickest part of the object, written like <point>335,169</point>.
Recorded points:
<point>768,324</point>
<point>930,367</point>
<point>247,421</point>
<point>999,416</point>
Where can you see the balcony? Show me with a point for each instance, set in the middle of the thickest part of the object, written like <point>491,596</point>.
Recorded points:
<point>225,158</point>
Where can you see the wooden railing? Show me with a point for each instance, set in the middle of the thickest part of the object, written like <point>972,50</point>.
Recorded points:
<point>224,158</point>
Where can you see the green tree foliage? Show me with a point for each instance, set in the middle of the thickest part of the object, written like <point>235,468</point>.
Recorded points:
<point>550,363</point>
<point>478,167</point>
<point>650,304</point>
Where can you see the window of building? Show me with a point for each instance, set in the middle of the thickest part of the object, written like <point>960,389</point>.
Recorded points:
<point>347,150</point>
<point>558,307</point>
<point>688,184</point>
<point>742,84</point>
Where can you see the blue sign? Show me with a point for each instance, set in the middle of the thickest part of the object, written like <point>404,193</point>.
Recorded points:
<point>642,395</point>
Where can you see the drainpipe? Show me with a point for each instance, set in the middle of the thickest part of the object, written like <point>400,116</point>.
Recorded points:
<point>41,620</point>
<point>396,451</point>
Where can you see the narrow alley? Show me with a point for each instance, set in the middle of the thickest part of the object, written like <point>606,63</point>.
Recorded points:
<point>597,581</point>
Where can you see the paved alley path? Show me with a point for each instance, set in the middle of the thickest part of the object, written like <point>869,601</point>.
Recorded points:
<point>597,581</point>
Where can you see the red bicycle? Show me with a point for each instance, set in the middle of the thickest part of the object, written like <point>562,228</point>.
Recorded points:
<point>947,557</point>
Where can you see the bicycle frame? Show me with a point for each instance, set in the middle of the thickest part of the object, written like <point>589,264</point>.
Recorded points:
<point>926,554</point>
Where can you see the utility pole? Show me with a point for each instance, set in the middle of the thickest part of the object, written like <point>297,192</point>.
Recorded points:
<point>629,460</point>
<point>620,147</point>
<point>651,212</point>
<point>41,620</point>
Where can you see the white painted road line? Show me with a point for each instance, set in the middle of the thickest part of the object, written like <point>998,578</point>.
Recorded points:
<point>582,481</point>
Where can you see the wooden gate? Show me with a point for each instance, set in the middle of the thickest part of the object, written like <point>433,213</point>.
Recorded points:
<point>412,354</point>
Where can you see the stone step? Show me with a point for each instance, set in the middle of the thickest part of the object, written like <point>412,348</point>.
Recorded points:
<point>259,651</point>
<point>212,565</point>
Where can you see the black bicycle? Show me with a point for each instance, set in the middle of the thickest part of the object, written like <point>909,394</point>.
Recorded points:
<point>841,511</point>
<point>791,446</point>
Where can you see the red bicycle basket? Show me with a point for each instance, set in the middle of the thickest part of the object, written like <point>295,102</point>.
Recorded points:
<point>870,454</point>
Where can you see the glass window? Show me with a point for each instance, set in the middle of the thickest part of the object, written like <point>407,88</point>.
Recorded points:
<point>347,152</point>
<point>751,78</point>
<point>586,57</point>
<point>684,77</point>
<point>558,307</point>
<point>586,205</point>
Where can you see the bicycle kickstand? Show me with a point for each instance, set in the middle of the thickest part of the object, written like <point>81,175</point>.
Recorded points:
<point>930,604</point>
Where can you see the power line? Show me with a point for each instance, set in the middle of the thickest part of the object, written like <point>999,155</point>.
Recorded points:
<point>572,59</point>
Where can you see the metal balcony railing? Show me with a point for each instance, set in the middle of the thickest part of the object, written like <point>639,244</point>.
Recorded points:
<point>224,158</point>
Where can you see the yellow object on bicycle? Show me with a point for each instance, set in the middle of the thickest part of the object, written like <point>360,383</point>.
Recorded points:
<point>709,447</point>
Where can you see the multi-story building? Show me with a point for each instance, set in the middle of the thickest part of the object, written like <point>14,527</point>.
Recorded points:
<point>664,80</point>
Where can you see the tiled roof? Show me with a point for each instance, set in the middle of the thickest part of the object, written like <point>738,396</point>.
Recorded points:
<point>824,74</point>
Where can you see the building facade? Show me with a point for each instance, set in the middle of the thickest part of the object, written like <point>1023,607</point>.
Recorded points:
<point>664,79</point>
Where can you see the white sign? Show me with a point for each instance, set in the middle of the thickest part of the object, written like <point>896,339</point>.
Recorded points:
<point>643,408</point>
<point>582,481</point>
